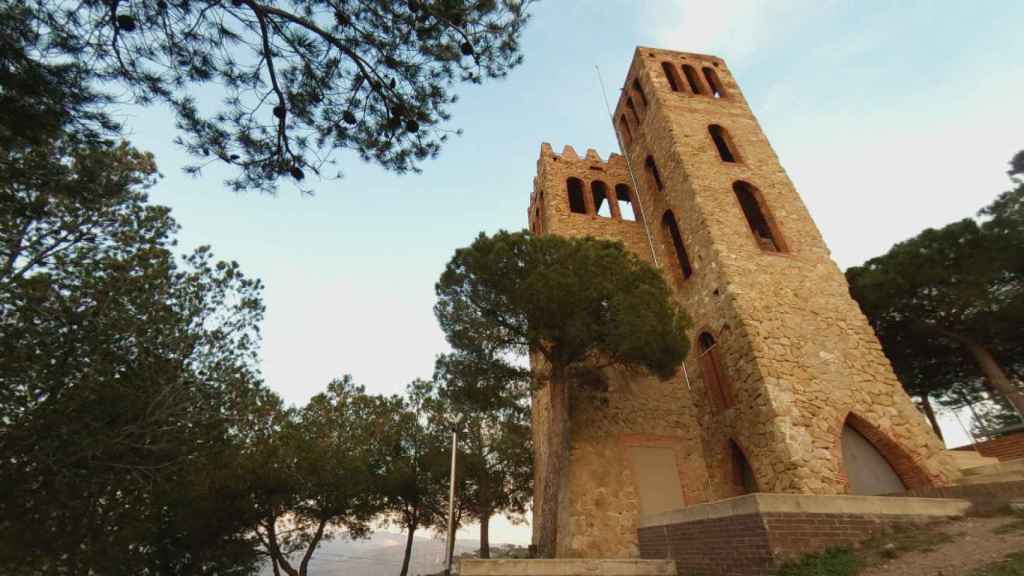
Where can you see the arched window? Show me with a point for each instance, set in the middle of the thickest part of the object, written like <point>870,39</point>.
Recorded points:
<point>671,75</point>
<point>627,135</point>
<point>599,191</point>
<point>742,474</point>
<point>762,225</point>
<point>626,209</point>
<point>652,169</point>
<point>640,92</point>
<point>576,202</point>
<point>723,143</point>
<point>671,229</point>
<point>691,77</point>
<point>632,108</point>
<point>714,375</point>
<point>716,85</point>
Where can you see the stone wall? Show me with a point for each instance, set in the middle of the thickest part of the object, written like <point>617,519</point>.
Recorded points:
<point>799,358</point>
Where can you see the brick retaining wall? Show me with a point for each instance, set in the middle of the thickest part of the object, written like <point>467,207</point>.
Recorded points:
<point>1009,447</point>
<point>753,537</point>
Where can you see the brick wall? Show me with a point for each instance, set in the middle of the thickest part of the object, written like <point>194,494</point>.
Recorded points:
<point>755,544</point>
<point>1009,447</point>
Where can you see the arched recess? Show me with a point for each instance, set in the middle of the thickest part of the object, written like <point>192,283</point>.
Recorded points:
<point>759,217</point>
<point>740,473</point>
<point>602,203</point>
<point>717,90</point>
<point>715,379</point>
<point>632,109</point>
<point>874,463</point>
<point>696,86</point>
<point>577,203</point>
<point>672,76</point>
<point>627,134</point>
<point>670,228</point>
<point>639,91</point>
<point>626,209</point>
<point>723,143</point>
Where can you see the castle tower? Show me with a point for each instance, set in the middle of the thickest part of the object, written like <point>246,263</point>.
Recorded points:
<point>785,389</point>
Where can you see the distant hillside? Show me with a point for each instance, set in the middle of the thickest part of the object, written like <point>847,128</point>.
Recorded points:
<point>380,555</point>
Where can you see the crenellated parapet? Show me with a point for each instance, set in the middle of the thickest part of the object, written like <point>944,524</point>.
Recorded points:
<point>585,194</point>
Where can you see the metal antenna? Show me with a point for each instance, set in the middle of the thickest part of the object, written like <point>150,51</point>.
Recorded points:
<point>629,167</point>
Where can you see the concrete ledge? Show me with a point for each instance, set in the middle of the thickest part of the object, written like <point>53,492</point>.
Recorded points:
<point>811,504</point>
<point>567,567</point>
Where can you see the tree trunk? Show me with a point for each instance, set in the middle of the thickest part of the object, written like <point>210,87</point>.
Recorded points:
<point>311,547</point>
<point>994,375</point>
<point>485,538</point>
<point>929,411</point>
<point>408,550</point>
<point>554,463</point>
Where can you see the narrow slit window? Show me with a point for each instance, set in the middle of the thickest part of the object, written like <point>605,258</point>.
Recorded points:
<point>671,76</point>
<point>714,83</point>
<point>652,169</point>
<point>714,376</point>
<point>602,205</point>
<point>625,200</point>
<point>722,143</point>
<point>576,201</point>
<point>640,92</point>
<point>632,108</point>
<point>692,79</point>
<point>759,218</point>
<point>627,135</point>
<point>671,229</point>
<point>743,476</point>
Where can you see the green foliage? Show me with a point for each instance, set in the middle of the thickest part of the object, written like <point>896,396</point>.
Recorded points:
<point>579,304</point>
<point>574,301</point>
<point>495,458</point>
<point>121,368</point>
<point>832,562</point>
<point>313,472</point>
<point>299,80</point>
<point>939,299</point>
<point>42,95</point>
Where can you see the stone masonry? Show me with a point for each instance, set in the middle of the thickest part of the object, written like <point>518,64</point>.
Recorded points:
<point>787,358</point>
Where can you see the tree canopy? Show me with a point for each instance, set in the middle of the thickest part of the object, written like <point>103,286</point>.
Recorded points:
<point>495,460</point>
<point>577,304</point>
<point>121,366</point>
<point>297,81</point>
<point>314,472</point>
<point>949,302</point>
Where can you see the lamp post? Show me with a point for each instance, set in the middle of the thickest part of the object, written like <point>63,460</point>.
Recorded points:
<point>449,548</point>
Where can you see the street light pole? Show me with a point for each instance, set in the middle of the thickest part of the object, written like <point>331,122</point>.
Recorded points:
<point>449,548</point>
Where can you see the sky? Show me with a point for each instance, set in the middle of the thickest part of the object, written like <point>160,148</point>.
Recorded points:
<point>888,117</point>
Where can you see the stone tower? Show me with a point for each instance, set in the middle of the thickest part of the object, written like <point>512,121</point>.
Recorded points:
<point>785,389</point>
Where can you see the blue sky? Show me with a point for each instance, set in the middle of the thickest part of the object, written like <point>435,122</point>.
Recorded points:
<point>889,118</point>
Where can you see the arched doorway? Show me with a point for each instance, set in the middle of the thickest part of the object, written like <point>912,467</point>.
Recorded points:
<point>867,471</point>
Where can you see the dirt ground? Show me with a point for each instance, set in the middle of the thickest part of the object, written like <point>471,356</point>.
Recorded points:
<point>974,545</point>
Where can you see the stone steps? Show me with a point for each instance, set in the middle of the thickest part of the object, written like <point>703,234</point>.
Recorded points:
<point>995,468</point>
<point>1014,476</point>
<point>965,459</point>
<point>1009,471</point>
